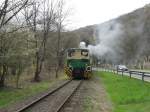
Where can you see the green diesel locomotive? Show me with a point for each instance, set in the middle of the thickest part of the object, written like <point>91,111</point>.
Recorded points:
<point>78,63</point>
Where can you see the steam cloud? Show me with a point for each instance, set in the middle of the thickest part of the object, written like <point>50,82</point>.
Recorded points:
<point>107,40</point>
<point>82,45</point>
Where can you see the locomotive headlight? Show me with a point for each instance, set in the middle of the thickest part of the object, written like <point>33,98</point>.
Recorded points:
<point>88,68</point>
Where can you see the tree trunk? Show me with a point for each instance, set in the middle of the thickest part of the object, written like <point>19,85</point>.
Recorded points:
<point>37,71</point>
<point>57,69</point>
<point>2,81</point>
<point>58,51</point>
<point>2,77</point>
<point>18,75</point>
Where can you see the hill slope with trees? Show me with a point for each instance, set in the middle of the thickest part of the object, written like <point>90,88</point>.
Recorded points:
<point>133,42</point>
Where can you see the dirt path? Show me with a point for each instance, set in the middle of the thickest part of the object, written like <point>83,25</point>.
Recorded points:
<point>91,97</point>
<point>95,98</point>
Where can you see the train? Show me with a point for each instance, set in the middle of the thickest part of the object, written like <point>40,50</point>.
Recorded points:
<point>78,64</point>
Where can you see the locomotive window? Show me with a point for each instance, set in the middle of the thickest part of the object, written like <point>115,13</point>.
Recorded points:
<point>71,53</point>
<point>84,53</point>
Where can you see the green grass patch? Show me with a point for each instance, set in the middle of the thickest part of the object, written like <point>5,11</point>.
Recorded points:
<point>127,95</point>
<point>9,96</point>
<point>88,105</point>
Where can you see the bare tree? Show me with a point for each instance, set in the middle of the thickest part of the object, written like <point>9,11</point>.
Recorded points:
<point>62,15</point>
<point>47,22</point>
<point>41,23</point>
<point>31,16</point>
<point>8,10</point>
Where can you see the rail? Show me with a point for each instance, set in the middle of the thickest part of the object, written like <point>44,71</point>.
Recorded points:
<point>68,98</point>
<point>25,107</point>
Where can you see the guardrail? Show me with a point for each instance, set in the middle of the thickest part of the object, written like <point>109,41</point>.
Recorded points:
<point>129,72</point>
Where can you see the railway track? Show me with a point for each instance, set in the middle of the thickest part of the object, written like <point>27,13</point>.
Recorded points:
<point>54,100</point>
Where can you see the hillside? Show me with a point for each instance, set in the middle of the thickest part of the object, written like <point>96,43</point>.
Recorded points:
<point>126,36</point>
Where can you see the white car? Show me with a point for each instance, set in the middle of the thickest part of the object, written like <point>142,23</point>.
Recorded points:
<point>122,67</point>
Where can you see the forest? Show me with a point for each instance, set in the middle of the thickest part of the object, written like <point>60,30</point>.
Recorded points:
<point>33,38</point>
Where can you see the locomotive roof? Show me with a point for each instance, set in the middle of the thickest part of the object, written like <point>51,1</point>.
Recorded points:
<point>77,49</point>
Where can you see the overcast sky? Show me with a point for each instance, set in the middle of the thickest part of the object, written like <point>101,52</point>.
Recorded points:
<point>88,12</point>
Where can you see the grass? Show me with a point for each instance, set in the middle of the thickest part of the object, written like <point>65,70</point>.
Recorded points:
<point>10,96</point>
<point>88,105</point>
<point>127,95</point>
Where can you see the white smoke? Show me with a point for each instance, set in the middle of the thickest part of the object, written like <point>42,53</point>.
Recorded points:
<point>109,34</point>
<point>82,45</point>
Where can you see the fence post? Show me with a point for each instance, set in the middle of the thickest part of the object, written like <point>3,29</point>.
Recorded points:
<point>130,73</point>
<point>117,70</point>
<point>113,71</point>
<point>122,72</point>
<point>143,76</point>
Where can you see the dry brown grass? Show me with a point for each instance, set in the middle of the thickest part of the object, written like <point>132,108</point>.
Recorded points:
<point>27,76</point>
